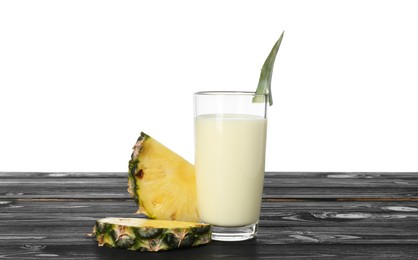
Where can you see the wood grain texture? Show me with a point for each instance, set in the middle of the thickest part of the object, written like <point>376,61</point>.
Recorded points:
<point>295,185</point>
<point>304,215</point>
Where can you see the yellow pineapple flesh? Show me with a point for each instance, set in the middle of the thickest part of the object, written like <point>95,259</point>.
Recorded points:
<point>162,182</point>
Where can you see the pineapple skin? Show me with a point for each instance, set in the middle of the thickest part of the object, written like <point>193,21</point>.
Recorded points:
<point>148,238</point>
<point>173,199</point>
<point>133,165</point>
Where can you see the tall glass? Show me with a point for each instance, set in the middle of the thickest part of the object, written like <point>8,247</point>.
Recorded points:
<point>230,145</point>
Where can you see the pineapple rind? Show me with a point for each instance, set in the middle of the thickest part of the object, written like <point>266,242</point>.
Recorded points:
<point>145,238</point>
<point>132,180</point>
<point>133,165</point>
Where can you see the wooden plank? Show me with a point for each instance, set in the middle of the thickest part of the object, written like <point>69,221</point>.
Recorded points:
<point>90,191</point>
<point>340,175</point>
<point>339,193</point>
<point>215,250</point>
<point>298,186</point>
<point>342,180</point>
<point>30,206</point>
<point>275,179</point>
<point>318,175</point>
<point>66,175</point>
<point>75,233</point>
<point>281,223</point>
<point>277,213</point>
<point>66,188</point>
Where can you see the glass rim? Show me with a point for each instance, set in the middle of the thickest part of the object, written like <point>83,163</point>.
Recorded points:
<point>227,92</point>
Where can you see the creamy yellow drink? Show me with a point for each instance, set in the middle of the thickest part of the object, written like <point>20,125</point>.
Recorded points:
<point>229,158</point>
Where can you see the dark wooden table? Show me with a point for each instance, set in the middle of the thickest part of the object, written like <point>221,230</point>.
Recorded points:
<point>304,216</point>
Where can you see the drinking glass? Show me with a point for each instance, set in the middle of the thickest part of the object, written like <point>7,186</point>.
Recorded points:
<point>230,146</point>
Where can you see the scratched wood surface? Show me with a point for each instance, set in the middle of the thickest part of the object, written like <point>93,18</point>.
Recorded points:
<point>304,215</point>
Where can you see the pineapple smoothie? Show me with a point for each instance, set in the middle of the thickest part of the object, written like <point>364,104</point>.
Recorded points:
<point>229,158</point>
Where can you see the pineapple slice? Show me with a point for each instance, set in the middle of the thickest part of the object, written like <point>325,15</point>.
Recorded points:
<point>162,182</point>
<point>141,234</point>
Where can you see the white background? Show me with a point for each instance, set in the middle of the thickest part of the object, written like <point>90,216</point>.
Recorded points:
<point>79,80</point>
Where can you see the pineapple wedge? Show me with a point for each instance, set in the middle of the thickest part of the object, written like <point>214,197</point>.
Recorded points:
<point>141,234</point>
<point>162,182</point>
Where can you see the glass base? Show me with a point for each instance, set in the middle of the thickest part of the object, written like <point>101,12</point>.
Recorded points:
<point>234,233</point>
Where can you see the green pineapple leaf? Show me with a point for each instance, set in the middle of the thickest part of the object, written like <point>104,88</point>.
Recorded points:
<point>264,83</point>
